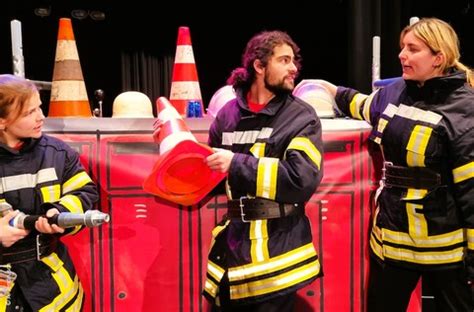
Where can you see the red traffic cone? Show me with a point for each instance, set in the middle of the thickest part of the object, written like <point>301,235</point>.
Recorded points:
<point>180,174</point>
<point>68,90</point>
<point>184,83</point>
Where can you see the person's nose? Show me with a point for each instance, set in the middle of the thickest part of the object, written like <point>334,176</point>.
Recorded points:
<point>402,55</point>
<point>293,68</point>
<point>40,115</point>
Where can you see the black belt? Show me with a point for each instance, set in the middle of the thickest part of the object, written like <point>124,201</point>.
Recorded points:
<point>410,177</point>
<point>258,208</point>
<point>28,249</point>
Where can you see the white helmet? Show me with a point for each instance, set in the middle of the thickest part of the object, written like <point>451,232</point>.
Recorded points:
<point>317,96</point>
<point>219,99</point>
<point>132,104</point>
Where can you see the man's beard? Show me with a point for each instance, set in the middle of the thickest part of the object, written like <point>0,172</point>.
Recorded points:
<point>278,88</point>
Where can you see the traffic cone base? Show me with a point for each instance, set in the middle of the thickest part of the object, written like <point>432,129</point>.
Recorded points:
<point>69,109</point>
<point>181,175</point>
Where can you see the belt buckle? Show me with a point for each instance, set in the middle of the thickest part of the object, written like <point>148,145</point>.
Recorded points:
<point>241,205</point>
<point>384,177</point>
<point>38,248</point>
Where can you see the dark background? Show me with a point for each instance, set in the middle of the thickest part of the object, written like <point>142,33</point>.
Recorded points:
<point>334,37</point>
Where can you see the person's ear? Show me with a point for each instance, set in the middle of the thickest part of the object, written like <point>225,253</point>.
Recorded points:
<point>3,124</point>
<point>258,66</point>
<point>439,60</point>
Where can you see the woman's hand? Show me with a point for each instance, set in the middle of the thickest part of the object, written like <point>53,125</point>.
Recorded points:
<point>42,225</point>
<point>9,234</point>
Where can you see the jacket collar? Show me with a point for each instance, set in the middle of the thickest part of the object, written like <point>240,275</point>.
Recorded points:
<point>5,150</point>
<point>438,85</point>
<point>270,109</point>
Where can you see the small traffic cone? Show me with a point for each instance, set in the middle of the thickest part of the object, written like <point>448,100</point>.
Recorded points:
<point>184,83</point>
<point>68,90</point>
<point>180,174</point>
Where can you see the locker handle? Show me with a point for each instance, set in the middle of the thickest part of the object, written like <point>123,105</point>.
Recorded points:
<point>335,146</point>
<point>135,148</point>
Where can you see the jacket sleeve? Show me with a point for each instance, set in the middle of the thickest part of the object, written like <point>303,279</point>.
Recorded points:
<point>361,106</point>
<point>215,140</point>
<point>462,155</point>
<point>292,179</point>
<point>78,191</point>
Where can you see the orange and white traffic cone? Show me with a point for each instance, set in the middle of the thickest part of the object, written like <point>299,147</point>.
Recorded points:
<point>180,174</point>
<point>184,83</point>
<point>68,90</point>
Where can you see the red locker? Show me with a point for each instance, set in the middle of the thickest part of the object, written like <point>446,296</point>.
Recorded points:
<point>152,255</point>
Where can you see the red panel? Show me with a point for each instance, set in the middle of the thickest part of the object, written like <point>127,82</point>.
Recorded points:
<point>145,249</point>
<point>152,256</point>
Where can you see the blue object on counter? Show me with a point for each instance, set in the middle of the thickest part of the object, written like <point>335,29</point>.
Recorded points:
<point>194,109</point>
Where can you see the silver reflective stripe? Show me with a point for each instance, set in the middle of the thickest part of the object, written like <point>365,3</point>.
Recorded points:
<point>27,180</point>
<point>245,137</point>
<point>414,113</point>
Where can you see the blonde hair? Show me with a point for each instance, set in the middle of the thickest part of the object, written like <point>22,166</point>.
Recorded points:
<point>440,37</point>
<point>14,93</point>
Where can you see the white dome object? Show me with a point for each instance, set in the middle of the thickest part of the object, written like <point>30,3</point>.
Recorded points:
<point>132,104</point>
<point>219,99</point>
<point>317,96</point>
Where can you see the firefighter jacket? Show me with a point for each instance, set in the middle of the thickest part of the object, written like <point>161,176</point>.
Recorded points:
<point>43,174</point>
<point>430,127</point>
<point>277,156</point>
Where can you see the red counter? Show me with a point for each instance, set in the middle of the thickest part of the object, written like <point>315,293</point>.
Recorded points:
<point>152,255</point>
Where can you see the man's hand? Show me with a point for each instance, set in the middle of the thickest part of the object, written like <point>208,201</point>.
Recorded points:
<point>9,234</point>
<point>42,225</point>
<point>220,160</point>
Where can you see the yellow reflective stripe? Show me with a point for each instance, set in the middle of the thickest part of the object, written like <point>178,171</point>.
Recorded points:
<point>415,194</point>
<point>3,303</point>
<point>53,261</point>
<point>420,257</point>
<point>273,264</point>
<point>219,228</point>
<point>417,144</point>
<point>51,193</point>
<point>381,125</point>
<point>305,145</point>
<point>258,150</point>
<point>355,104</point>
<point>424,257</point>
<point>76,182</point>
<point>259,241</point>
<point>417,225</point>
<point>443,240</point>
<point>464,172</point>
<point>368,103</point>
<point>267,173</point>
<point>470,238</point>
<point>275,283</point>
<point>375,246</point>
<point>415,159</point>
<point>67,287</point>
<point>215,271</point>
<point>72,203</point>
<point>77,305</point>
<point>210,287</point>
